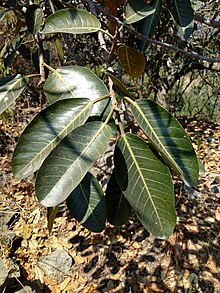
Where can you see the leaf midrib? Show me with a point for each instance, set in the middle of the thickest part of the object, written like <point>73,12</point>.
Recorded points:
<point>59,136</point>
<point>79,157</point>
<point>142,177</point>
<point>165,152</point>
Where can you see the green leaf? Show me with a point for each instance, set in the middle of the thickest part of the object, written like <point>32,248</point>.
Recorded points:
<point>168,137</point>
<point>72,21</point>
<point>146,183</point>
<point>76,82</point>
<point>45,131</point>
<point>183,16</point>
<point>119,85</point>
<point>131,60</point>
<point>34,17</point>
<point>10,89</point>
<point>51,215</point>
<point>69,162</point>
<point>136,10</point>
<point>118,208</point>
<point>148,25</point>
<point>86,204</point>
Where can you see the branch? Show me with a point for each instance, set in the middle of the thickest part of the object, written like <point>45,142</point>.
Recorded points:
<point>155,42</point>
<point>208,22</point>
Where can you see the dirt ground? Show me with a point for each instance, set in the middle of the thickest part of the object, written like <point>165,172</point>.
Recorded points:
<point>125,259</point>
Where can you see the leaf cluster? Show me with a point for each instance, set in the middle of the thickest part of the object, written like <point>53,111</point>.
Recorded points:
<point>63,142</point>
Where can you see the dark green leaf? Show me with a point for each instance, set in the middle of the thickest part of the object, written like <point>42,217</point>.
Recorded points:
<point>34,17</point>
<point>87,204</point>
<point>136,10</point>
<point>183,16</point>
<point>118,208</point>
<point>76,82</point>
<point>46,130</point>
<point>72,21</point>
<point>168,137</point>
<point>148,25</point>
<point>131,60</point>
<point>10,89</point>
<point>69,162</point>
<point>146,183</point>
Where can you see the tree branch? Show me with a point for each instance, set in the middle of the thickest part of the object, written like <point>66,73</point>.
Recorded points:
<point>155,42</point>
<point>208,22</point>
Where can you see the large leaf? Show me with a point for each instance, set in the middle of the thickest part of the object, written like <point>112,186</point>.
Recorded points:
<point>76,82</point>
<point>148,25</point>
<point>72,21</point>
<point>118,208</point>
<point>34,17</point>
<point>136,10</point>
<point>69,162</point>
<point>87,204</point>
<point>168,137</point>
<point>183,15</point>
<point>45,131</point>
<point>146,183</point>
<point>10,89</point>
<point>131,60</point>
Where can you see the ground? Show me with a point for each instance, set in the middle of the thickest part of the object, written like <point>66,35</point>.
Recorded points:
<point>122,259</point>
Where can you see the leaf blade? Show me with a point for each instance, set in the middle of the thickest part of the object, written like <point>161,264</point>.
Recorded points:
<point>72,158</point>
<point>76,82</point>
<point>131,60</point>
<point>118,208</point>
<point>183,16</point>
<point>34,17</point>
<point>146,183</point>
<point>10,89</point>
<point>86,204</point>
<point>168,137</point>
<point>136,10</point>
<point>71,20</point>
<point>45,131</point>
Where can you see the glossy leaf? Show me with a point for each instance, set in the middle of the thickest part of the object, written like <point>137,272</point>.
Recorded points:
<point>146,183</point>
<point>10,89</point>
<point>45,131</point>
<point>168,137</point>
<point>76,82</point>
<point>131,60</point>
<point>34,17</point>
<point>136,10</point>
<point>183,16</point>
<point>118,208</point>
<point>148,25</point>
<point>119,85</point>
<point>69,162</point>
<point>72,21</point>
<point>86,204</point>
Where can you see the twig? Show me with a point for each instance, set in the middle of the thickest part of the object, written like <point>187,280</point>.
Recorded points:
<point>155,42</point>
<point>209,22</point>
<point>106,56</point>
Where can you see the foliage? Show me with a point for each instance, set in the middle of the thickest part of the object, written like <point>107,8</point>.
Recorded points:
<point>66,138</point>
